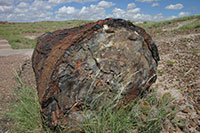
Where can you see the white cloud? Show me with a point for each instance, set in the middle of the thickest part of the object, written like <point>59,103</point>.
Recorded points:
<point>70,1</point>
<point>23,5</point>
<point>118,13</point>
<point>6,2</point>
<point>155,4</point>
<point>57,1</point>
<point>146,0</point>
<point>182,14</point>
<point>18,10</point>
<point>105,4</point>
<point>130,13</point>
<point>125,14</point>
<point>92,12</point>
<point>80,1</point>
<point>172,17</point>
<point>131,6</point>
<point>41,10</point>
<point>67,10</point>
<point>39,5</point>
<point>30,17</point>
<point>23,0</point>
<point>133,11</point>
<point>147,17</point>
<point>6,9</point>
<point>136,15</point>
<point>174,7</point>
<point>30,11</point>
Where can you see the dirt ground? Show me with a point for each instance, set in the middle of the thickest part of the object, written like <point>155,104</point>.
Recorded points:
<point>10,66</point>
<point>178,74</point>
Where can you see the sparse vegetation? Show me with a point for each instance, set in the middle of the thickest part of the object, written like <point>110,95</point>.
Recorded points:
<point>160,73</point>
<point>192,25</point>
<point>25,111</point>
<point>186,18</point>
<point>148,25</point>
<point>15,32</point>
<point>195,51</point>
<point>18,42</point>
<point>170,63</point>
<point>145,114</point>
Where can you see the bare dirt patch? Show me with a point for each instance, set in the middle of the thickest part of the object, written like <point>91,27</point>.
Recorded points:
<point>175,26</point>
<point>31,36</point>
<point>9,65</point>
<point>179,72</point>
<point>13,62</point>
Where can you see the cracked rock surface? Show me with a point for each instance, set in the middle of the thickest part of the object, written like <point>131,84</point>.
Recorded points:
<point>81,66</point>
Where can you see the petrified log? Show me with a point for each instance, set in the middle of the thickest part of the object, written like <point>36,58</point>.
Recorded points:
<point>110,57</point>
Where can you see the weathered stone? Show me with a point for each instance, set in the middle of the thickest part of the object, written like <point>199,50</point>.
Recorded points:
<point>109,58</point>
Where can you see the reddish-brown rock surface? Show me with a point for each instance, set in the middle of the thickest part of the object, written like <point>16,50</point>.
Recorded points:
<point>109,58</point>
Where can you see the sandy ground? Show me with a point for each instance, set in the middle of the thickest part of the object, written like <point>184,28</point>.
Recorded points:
<point>179,75</point>
<point>11,63</point>
<point>9,66</point>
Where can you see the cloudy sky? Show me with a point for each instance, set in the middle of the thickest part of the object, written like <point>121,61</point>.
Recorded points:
<point>56,10</point>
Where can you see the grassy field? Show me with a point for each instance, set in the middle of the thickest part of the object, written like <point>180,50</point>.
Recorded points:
<point>16,33</point>
<point>25,112</point>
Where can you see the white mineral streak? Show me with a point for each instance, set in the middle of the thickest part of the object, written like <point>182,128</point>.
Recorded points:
<point>123,87</point>
<point>109,44</point>
<point>136,33</point>
<point>105,27</point>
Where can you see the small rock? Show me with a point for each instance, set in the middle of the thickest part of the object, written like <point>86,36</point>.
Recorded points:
<point>193,124</point>
<point>198,128</point>
<point>185,110</point>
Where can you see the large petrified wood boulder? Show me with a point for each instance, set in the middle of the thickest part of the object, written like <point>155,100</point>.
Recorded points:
<point>110,57</point>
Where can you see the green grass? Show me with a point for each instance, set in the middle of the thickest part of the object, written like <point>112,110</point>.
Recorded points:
<point>195,51</point>
<point>18,42</point>
<point>15,32</point>
<point>187,18</point>
<point>170,63</point>
<point>143,115</point>
<point>25,111</point>
<point>148,25</point>
<point>192,25</point>
<point>160,72</point>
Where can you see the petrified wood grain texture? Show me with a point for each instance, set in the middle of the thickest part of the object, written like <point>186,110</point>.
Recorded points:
<point>110,57</point>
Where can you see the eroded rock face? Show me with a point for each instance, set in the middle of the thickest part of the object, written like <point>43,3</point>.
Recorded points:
<point>109,58</point>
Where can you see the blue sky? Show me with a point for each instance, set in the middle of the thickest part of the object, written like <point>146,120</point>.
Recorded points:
<point>56,10</point>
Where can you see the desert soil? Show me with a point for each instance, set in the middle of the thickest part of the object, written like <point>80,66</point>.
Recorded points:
<point>178,74</point>
<point>12,62</point>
